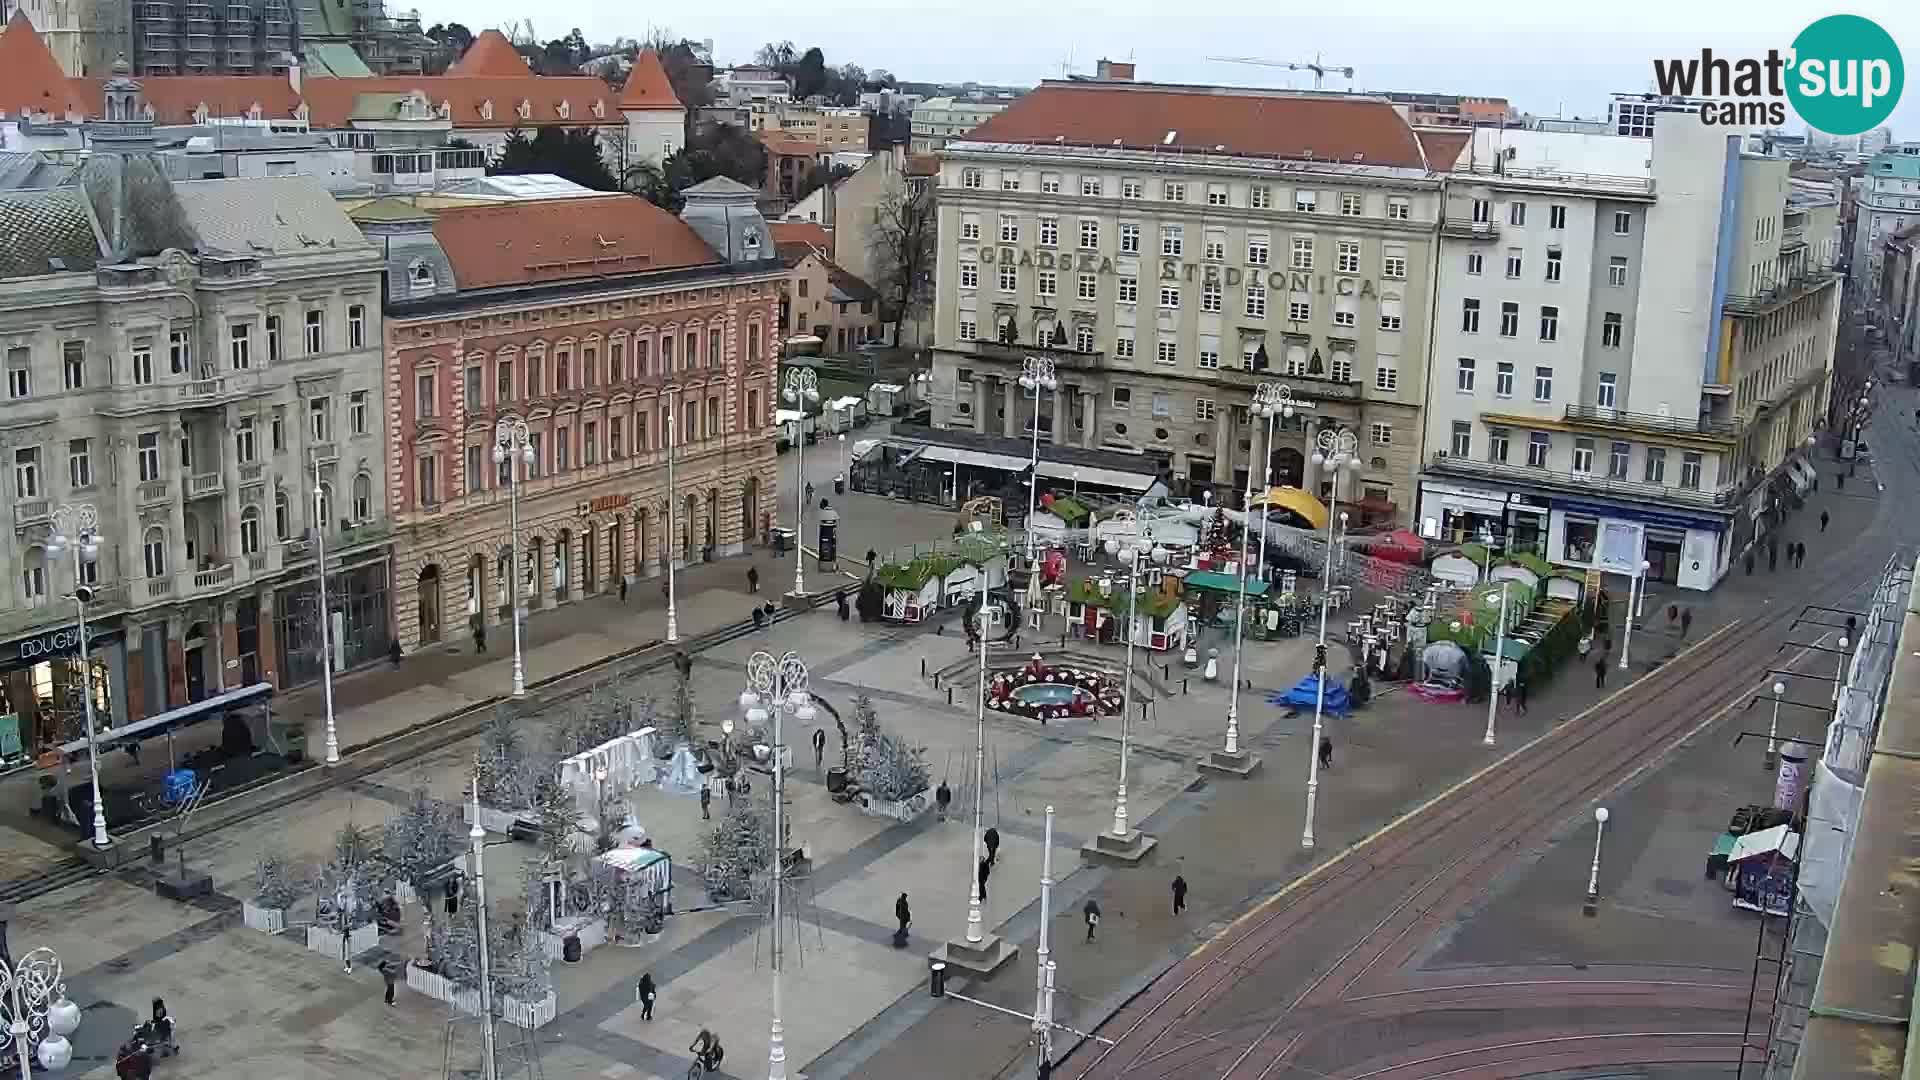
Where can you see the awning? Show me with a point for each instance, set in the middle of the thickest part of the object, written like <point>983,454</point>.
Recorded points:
<point>1288,498</point>
<point>953,455</point>
<point>845,403</point>
<point>1113,478</point>
<point>787,416</point>
<point>1779,839</point>
<point>863,447</point>
<point>885,388</point>
<point>186,714</point>
<point>1208,579</point>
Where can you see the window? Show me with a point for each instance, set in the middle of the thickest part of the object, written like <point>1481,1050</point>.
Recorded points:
<point>1210,293</point>
<point>1162,405</point>
<point>1089,233</point>
<point>1497,444</point>
<point>80,462</point>
<point>153,551</point>
<point>1476,262</point>
<point>1622,223</point>
<point>1214,247</point>
<point>273,339</point>
<point>1257,244</point>
<point>1619,455</point>
<point>1050,183</point>
<point>1382,434</point>
<point>1605,395</point>
<point>1463,375</point>
<point>1656,465</point>
<point>1009,278</point>
<point>1691,463</point>
<point>277,429</point>
<point>534,443</point>
<point>316,332</point>
<point>1583,455</point>
<point>180,352</point>
<point>1543,384</point>
<point>972,178</point>
<point>1556,216</point>
<point>1209,358</point>
<point>73,363</point>
<point>590,443</point>
<point>1302,253</point>
<point>1170,296</point>
<point>1517,213</point>
<point>1549,324</point>
<point>1470,316</point>
<point>1173,191</point>
<point>1386,373</point>
<point>1509,320</point>
<point>1129,290</point>
<point>26,473</point>
<point>243,442</point>
<point>1349,205</point>
<point>1462,445</point>
<point>1503,379</point>
<point>1256,299</point>
<point>1610,327</point>
<point>1123,348</point>
<point>503,384</point>
<point>147,456</point>
<point>1299,307</point>
<point>1172,240</point>
<point>1009,229</point>
<point>1513,262</point>
<point>19,374</point>
<point>1203,409</point>
<point>1617,271</point>
<point>1166,352</point>
<point>969,229</point>
<point>357,326</point>
<point>1087,287</point>
<point>470,388</point>
<point>1216,194</point>
<point>1347,256</point>
<point>969,275</point>
<point>1049,230</point>
<point>1083,338</point>
<point>1553,265</point>
<point>1131,188</point>
<point>1399,209</point>
<point>1482,211</point>
<point>1122,398</point>
<point>1343,313</point>
<point>1049,283</point>
<point>969,330</point>
<point>282,514</point>
<point>1260,197</point>
<point>250,531</point>
<point>1090,187</point>
<point>1303,201</point>
<point>319,420</point>
<point>423,396</point>
<point>1009,180</point>
<point>1129,238</point>
<point>1393,266</point>
<point>1539,446</point>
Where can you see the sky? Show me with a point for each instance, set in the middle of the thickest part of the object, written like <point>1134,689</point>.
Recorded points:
<point>1546,58</point>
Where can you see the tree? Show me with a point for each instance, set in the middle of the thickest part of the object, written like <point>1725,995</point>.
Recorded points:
<point>890,769</point>
<point>450,41</point>
<point>903,248</point>
<point>570,153</point>
<point>277,882</point>
<point>715,150</point>
<point>739,847</point>
<point>505,771</point>
<point>420,841</point>
<point>775,55</point>
<point>820,176</point>
<point>675,726</point>
<point>809,74</point>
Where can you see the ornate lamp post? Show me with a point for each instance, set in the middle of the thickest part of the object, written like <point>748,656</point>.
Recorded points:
<point>803,386</point>
<point>1499,662</point>
<point>777,686</point>
<point>513,447</point>
<point>1637,584</point>
<point>1274,401</point>
<point>326,617</point>
<point>33,993</point>
<point>673,531</point>
<point>1772,760</point>
<point>1334,451</point>
<point>1592,905</point>
<point>1036,374</point>
<point>1121,835</point>
<point>75,528</point>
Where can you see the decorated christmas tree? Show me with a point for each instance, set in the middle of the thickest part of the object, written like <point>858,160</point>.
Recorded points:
<point>737,849</point>
<point>674,726</point>
<point>277,882</point>
<point>890,769</point>
<point>1218,541</point>
<point>420,841</point>
<point>506,772</point>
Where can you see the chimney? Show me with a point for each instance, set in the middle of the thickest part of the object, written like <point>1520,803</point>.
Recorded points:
<point>293,73</point>
<point>1114,70</point>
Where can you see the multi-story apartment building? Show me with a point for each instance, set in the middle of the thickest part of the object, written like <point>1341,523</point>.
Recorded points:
<point>938,121</point>
<point>192,405</point>
<point>1171,247</point>
<point>1634,114</point>
<point>1632,341</point>
<point>1454,110</point>
<point>611,330</point>
<point>1889,202</point>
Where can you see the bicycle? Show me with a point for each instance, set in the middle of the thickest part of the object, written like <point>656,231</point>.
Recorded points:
<point>700,1068</point>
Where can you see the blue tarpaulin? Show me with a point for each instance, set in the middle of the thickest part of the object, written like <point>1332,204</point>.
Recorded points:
<point>1303,693</point>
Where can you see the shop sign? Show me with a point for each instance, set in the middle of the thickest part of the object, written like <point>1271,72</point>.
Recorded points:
<point>60,642</point>
<point>1628,513</point>
<point>605,503</point>
<point>1174,270</point>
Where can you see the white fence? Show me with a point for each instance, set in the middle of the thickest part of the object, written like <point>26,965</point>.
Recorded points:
<point>592,932</point>
<point>467,999</point>
<point>266,920</point>
<point>326,941</point>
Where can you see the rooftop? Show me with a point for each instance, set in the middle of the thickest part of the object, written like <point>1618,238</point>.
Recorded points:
<point>534,242</point>
<point>491,54</point>
<point>288,215</point>
<point>647,85</point>
<point>30,78</point>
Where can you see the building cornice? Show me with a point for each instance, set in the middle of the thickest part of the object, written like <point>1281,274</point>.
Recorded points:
<point>545,294</point>
<point>1202,163</point>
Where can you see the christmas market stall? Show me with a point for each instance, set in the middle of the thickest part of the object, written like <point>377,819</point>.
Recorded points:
<point>1761,870</point>
<point>1097,611</point>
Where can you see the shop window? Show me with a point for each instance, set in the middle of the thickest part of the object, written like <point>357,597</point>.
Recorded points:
<point>1582,533</point>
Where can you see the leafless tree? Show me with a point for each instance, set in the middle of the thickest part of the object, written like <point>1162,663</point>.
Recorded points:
<point>904,246</point>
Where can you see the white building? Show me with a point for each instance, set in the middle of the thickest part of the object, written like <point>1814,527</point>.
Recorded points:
<point>1889,202</point>
<point>1634,114</point>
<point>1632,340</point>
<point>940,120</point>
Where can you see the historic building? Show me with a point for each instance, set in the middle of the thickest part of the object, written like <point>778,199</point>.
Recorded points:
<point>1170,248</point>
<point>611,330</point>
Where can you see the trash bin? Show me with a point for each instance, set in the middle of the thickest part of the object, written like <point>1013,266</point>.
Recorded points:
<point>570,948</point>
<point>839,485</point>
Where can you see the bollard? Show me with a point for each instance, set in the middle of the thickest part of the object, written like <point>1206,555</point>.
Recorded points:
<point>1063,639</point>
<point>1183,685</point>
<point>949,695</point>
<point>923,667</point>
<point>1166,671</point>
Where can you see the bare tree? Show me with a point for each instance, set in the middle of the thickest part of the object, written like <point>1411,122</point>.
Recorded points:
<point>903,246</point>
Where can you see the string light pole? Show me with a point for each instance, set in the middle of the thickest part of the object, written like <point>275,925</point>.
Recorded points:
<point>776,687</point>
<point>1123,842</point>
<point>673,534</point>
<point>802,387</point>
<point>326,617</point>
<point>1036,375</point>
<point>1274,401</point>
<point>33,994</point>
<point>76,529</point>
<point>1334,450</point>
<point>976,950</point>
<point>513,448</point>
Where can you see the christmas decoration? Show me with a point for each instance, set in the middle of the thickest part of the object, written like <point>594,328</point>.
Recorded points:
<point>277,881</point>
<point>890,769</point>
<point>419,841</point>
<point>737,849</point>
<point>1218,540</point>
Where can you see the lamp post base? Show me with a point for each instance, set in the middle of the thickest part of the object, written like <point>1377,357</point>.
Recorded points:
<point>978,958</point>
<point>1239,764</point>
<point>1771,761</point>
<point>1591,906</point>
<point>1110,850</point>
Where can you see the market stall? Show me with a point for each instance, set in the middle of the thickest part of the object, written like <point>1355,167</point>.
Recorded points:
<point>1098,611</point>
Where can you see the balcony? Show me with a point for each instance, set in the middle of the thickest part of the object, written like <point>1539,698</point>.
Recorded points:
<point>201,485</point>
<point>153,589</point>
<point>153,493</point>
<point>323,452</point>
<point>1481,231</point>
<point>1584,483</point>
<point>264,562</point>
<point>1064,359</point>
<point>31,512</point>
<point>252,475</point>
<point>213,577</point>
<point>1793,238</point>
<point>1611,420</point>
<point>1766,303</point>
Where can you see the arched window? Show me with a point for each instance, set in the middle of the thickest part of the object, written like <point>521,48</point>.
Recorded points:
<point>420,275</point>
<point>153,549</point>
<point>250,531</point>
<point>362,497</point>
<point>33,575</point>
<point>282,515</point>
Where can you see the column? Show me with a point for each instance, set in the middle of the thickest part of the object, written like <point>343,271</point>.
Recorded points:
<point>1010,425</point>
<point>980,405</point>
<point>231,502</point>
<point>1090,435</point>
<point>1060,416</point>
<point>1309,473</point>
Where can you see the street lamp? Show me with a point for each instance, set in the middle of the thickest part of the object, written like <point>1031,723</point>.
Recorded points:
<point>803,387</point>
<point>1772,760</point>
<point>75,528</point>
<point>1036,374</point>
<point>846,459</point>
<point>1274,401</point>
<point>1499,662</point>
<point>1839,670</point>
<point>777,686</point>
<point>477,837</point>
<point>673,532</point>
<point>513,447</point>
<point>1592,906</point>
<point>326,618</point>
<point>33,993</point>
<point>1143,545</point>
<point>976,931</point>
<point>1639,580</point>
<point>1335,450</point>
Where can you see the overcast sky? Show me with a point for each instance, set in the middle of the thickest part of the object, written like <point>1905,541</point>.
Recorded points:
<point>1543,57</point>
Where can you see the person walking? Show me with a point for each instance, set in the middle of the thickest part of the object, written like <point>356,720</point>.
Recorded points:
<point>1773,555</point>
<point>390,974</point>
<point>1519,696</point>
<point>645,993</point>
<point>1749,562</point>
<point>1326,751</point>
<point>452,893</point>
<point>1091,913</point>
<point>1179,894</point>
<point>706,801</point>
<point>986,871</point>
<point>623,588</point>
<point>819,749</point>
<point>753,579</point>
<point>1600,672</point>
<point>479,627</point>
<point>1686,623</point>
<point>904,915</point>
<point>1841,479</point>
<point>992,840</point>
<point>1823,521</point>
<point>942,799</point>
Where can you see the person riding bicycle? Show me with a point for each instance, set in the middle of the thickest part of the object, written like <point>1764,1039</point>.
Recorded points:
<point>706,1050</point>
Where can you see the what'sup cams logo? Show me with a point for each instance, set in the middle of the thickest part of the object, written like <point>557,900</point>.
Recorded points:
<point>1843,75</point>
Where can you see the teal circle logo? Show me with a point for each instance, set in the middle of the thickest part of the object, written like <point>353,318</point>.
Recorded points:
<point>1846,75</point>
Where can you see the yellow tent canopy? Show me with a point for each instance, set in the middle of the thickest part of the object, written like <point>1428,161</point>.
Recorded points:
<point>1298,501</point>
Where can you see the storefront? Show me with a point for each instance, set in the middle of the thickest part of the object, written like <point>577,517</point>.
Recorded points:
<point>41,699</point>
<point>1456,514</point>
<point>359,629</point>
<point>1680,549</point>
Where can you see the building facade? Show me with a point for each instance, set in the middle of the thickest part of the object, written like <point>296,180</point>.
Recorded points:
<point>612,331</point>
<point>1632,341</point>
<point>1454,110</point>
<point>938,121</point>
<point>1170,248</point>
<point>1889,202</point>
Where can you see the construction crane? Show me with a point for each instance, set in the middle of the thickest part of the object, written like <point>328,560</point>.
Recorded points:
<point>1319,69</point>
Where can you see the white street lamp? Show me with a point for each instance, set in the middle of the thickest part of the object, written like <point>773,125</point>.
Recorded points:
<point>75,527</point>
<point>477,836</point>
<point>33,994</point>
<point>1042,955</point>
<point>1639,582</point>
<point>976,930</point>
<point>1274,401</point>
<point>778,686</point>
<point>803,388</point>
<point>673,531</point>
<point>513,447</point>
<point>1036,374</point>
<point>326,616</point>
<point>1270,400</point>
<point>846,459</point>
<point>1772,760</point>
<point>1592,905</point>
<point>1336,452</point>
<point>1143,545</point>
<point>1499,664</point>
<point>1839,670</point>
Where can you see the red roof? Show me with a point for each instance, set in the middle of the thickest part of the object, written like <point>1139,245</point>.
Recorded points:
<point>175,98</point>
<point>788,146</point>
<point>490,54</point>
<point>648,86</point>
<point>1268,123</point>
<point>1443,147</point>
<point>564,239</point>
<point>30,78</point>
<point>923,165</point>
<point>801,232</point>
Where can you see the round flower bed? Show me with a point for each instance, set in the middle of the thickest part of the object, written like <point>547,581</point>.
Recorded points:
<point>1043,693</point>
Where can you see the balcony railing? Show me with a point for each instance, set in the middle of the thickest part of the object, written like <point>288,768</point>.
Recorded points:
<point>31,512</point>
<point>213,577</point>
<point>1469,230</point>
<point>148,590</point>
<point>153,491</point>
<point>1584,483</point>
<point>1638,421</point>
<point>323,452</point>
<point>1780,295</point>
<point>252,474</point>
<point>211,483</point>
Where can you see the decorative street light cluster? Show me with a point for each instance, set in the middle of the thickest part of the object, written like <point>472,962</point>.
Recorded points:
<point>75,528</point>
<point>1638,585</point>
<point>777,687</point>
<point>673,528</point>
<point>33,994</point>
<point>1274,402</point>
<point>1334,449</point>
<point>1036,375</point>
<point>803,387</point>
<point>1131,553</point>
<point>513,447</point>
<point>325,619</point>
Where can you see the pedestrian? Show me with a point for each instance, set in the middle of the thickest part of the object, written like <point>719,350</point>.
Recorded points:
<point>942,798</point>
<point>1686,623</point>
<point>904,914</point>
<point>1326,751</point>
<point>1773,555</point>
<point>1519,696</point>
<point>809,491</point>
<point>819,748</point>
<point>768,608</point>
<point>706,801</point>
<point>992,840</point>
<point>873,558</point>
<point>753,579</point>
<point>479,632</point>
<point>1600,672</point>
<point>985,871</point>
<point>644,994</point>
<point>1841,479</point>
<point>1091,913</point>
<point>623,588</point>
<point>840,601</point>
<point>1749,562</point>
<point>452,890</point>
<point>728,787</point>
<point>1796,554</point>
<point>759,619</point>
<point>393,652</point>
<point>1823,521</point>
<point>1179,894</point>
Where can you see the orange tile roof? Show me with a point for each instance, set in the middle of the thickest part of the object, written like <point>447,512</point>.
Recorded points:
<point>810,233</point>
<point>647,85</point>
<point>30,78</point>
<point>565,239</point>
<point>1443,147</point>
<point>1253,122</point>
<point>788,146</point>
<point>175,98</point>
<point>490,54</point>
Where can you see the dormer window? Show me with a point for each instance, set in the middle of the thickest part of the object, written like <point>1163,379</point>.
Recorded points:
<point>255,112</point>
<point>750,239</point>
<point>486,110</point>
<point>565,109</point>
<point>524,110</point>
<point>599,109</point>
<point>445,111</point>
<point>419,276</point>
<point>200,113</point>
